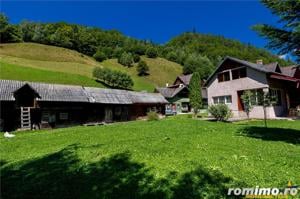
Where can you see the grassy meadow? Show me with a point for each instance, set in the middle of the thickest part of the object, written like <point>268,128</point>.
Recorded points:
<point>61,60</point>
<point>177,157</point>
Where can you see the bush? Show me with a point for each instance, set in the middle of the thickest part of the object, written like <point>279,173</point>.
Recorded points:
<point>113,78</point>
<point>142,68</point>
<point>152,52</point>
<point>136,58</point>
<point>126,59</point>
<point>100,56</point>
<point>171,56</point>
<point>152,116</point>
<point>220,111</point>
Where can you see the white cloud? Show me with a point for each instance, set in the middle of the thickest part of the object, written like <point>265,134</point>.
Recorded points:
<point>284,56</point>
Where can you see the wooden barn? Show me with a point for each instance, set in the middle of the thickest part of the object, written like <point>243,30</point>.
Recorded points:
<point>29,104</point>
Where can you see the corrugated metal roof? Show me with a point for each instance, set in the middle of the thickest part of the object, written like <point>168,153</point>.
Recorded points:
<point>147,98</point>
<point>70,93</point>
<point>108,96</point>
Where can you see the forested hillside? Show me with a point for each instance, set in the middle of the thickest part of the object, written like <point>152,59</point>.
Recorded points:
<point>194,51</point>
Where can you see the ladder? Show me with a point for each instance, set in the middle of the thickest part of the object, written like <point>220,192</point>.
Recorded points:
<point>25,118</point>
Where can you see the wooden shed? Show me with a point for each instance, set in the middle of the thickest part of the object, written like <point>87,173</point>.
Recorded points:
<point>28,104</point>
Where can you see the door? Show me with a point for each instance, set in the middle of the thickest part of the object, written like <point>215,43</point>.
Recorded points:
<point>239,101</point>
<point>108,114</point>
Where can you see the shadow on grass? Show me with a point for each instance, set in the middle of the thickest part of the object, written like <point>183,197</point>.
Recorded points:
<point>272,134</point>
<point>63,175</point>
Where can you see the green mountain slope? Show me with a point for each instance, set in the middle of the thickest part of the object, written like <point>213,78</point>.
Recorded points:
<point>38,62</point>
<point>216,48</point>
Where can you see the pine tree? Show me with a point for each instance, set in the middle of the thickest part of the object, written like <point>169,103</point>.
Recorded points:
<point>286,39</point>
<point>195,93</point>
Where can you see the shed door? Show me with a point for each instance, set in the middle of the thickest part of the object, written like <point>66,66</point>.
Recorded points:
<point>108,114</point>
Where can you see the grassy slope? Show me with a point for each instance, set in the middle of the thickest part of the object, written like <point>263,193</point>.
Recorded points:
<point>17,72</point>
<point>162,147</point>
<point>57,59</point>
<point>161,71</point>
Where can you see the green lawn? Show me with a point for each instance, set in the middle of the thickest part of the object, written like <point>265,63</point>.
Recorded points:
<point>171,158</point>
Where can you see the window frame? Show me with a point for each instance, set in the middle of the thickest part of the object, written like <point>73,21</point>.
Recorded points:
<point>277,94</point>
<point>222,74</point>
<point>224,97</point>
<point>239,72</point>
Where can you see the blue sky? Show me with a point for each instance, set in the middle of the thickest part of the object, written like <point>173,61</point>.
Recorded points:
<point>154,20</point>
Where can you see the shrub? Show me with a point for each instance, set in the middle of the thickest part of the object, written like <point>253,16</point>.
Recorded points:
<point>136,58</point>
<point>126,59</point>
<point>220,111</point>
<point>152,52</point>
<point>100,56</point>
<point>117,52</point>
<point>171,56</point>
<point>113,78</point>
<point>152,116</point>
<point>142,68</point>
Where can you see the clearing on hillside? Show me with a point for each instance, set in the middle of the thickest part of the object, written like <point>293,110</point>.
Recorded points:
<point>56,59</point>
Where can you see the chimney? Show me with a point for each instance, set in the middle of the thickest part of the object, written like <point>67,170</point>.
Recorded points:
<point>167,84</point>
<point>259,62</point>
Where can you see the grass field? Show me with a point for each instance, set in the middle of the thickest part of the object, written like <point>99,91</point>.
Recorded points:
<point>55,59</point>
<point>171,158</point>
<point>17,72</point>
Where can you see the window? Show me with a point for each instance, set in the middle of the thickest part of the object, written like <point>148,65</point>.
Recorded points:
<point>63,116</point>
<point>257,97</point>
<point>239,73</point>
<point>275,96</point>
<point>222,99</point>
<point>224,76</point>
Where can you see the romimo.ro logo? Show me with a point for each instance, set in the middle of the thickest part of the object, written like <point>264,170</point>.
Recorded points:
<point>259,192</point>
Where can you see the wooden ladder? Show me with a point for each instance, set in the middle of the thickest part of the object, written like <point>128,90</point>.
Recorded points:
<point>25,118</point>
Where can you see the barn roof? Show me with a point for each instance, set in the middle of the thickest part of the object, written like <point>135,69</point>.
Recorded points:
<point>70,93</point>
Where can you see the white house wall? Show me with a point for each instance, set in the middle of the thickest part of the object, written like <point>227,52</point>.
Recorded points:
<point>254,80</point>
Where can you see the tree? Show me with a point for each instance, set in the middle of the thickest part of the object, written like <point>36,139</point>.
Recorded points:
<point>266,101</point>
<point>246,98</point>
<point>27,29</point>
<point>195,93</point>
<point>286,39</point>
<point>152,52</point>
<point>126,59</point>
<point>198,63</point>
<point>142,68</point>
<point>136,58</point>
<point>115,79</point>
<point>100,56</point>
<point>8,32</point>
